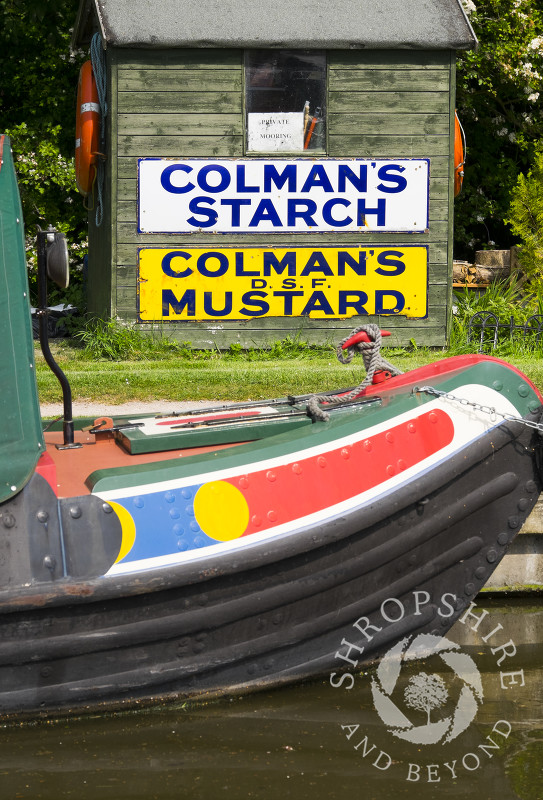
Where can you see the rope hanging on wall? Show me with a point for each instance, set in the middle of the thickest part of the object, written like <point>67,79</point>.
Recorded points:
<point>98,59</point>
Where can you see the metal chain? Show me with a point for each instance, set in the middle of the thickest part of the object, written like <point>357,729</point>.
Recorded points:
<point>479,407</point>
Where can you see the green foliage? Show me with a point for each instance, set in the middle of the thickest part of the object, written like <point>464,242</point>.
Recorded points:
<point>38,84</point>
<point>113,341</point>
<point>296,348</point>
<point>235,349</point>
<point>510,305</point>
<point>286,349</point>
<point>526,217</point>
<point>49,197</point>
<point>116,341</point>
<point>38,76</point>
<point>498,100</point>
<point>501,298</point>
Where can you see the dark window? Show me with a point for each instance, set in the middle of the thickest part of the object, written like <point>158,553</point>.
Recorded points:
<point>285,100</point>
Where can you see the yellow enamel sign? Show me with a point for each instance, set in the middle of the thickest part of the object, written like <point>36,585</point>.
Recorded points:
<point>244,283</point>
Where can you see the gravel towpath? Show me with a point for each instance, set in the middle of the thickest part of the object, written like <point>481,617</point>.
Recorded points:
<point>93,409</point>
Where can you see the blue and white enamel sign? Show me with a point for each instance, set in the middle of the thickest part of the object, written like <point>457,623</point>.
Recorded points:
<point>282,196</point>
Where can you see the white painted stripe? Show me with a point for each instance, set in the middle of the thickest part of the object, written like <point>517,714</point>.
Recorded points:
<point>89,107</point>
<point>469,425</point>
<point>163,425</point>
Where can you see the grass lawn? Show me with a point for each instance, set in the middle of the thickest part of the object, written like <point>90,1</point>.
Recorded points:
<point>220,377</point>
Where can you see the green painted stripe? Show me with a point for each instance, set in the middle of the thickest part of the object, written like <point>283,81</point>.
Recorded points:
<point>343,422</point>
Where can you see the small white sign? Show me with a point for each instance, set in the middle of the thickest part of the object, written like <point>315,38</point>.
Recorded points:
<point>277,132</point>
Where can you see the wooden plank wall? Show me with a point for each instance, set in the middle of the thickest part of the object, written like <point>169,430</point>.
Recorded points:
<point>184,103</point>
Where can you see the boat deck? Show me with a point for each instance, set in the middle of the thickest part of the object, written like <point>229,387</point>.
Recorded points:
<point>66,470</point>
<point>106,443</point>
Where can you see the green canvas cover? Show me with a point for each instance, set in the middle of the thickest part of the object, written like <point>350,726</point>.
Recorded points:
<point>21,439</point>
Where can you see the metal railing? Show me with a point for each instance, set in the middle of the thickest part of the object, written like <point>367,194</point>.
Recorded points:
<point>485,327</point>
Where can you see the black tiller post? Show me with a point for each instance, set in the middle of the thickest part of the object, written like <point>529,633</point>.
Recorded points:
<point>43,240</point>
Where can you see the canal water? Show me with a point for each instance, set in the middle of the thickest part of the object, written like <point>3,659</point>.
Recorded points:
<point>472,728</point>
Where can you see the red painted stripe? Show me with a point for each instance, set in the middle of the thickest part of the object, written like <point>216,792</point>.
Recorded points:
<point>445,367</point>
<point>47,469</point>
<point>205,417</point>
<point>298,488</point>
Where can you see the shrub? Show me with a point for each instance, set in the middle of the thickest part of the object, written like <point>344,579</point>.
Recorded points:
<point>49,196</point>
<point>114,341</point>
<point>499,88</point>
<point>526,217</point>
<point>511,306</point>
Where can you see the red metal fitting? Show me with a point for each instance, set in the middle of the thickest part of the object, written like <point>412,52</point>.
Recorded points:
<point>361,336</point>
<point>381,375</point>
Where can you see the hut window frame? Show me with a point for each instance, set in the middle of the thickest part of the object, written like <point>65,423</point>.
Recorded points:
<point>285,101</point>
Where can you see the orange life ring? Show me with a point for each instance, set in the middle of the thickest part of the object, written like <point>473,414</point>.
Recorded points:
<point>458,155</point>
<point>87,129</point>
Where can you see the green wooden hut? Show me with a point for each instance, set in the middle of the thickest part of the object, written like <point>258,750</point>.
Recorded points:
<point>276,168</point>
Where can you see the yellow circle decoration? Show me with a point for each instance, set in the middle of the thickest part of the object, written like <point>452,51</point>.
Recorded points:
<point>221,510</point>
<point>128,527</point>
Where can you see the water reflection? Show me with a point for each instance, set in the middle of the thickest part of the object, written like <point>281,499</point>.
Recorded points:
<point>289,743</point>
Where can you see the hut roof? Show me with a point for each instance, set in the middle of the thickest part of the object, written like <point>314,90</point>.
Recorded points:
<point>315,24</point>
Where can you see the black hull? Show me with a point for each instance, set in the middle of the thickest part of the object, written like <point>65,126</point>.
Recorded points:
<point>282,613</point>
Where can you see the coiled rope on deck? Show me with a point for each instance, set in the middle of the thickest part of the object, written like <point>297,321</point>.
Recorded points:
<point>373,361</point>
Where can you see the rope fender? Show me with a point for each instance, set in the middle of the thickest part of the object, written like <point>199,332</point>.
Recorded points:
<point>356,341</point>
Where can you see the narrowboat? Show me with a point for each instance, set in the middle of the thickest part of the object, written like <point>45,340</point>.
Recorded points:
<point>217,552</point>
